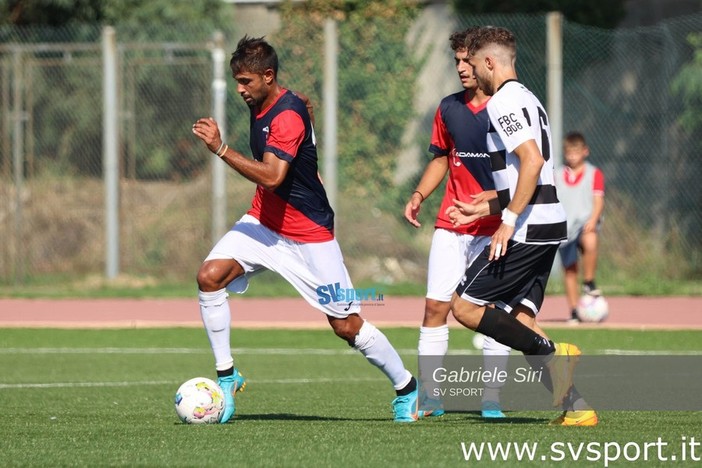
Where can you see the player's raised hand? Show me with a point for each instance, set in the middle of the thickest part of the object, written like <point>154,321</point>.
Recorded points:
<point>208,131</point>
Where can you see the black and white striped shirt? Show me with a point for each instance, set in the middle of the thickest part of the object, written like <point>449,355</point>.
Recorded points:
<point>517,116</point>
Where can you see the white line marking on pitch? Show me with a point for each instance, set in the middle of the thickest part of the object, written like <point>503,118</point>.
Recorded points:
<point>308,351</point>
<point>236,351</point>
<point>175,382</point>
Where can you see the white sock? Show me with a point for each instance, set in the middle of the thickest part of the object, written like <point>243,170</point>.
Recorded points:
<point>374,345</point>
<point>495,356</point>
<point>433,341</point>
<point>216,316</point>
<point>432,347</point>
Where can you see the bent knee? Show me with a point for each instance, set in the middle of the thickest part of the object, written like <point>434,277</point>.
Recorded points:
<point>207,276</point>
<point>435,313</point>
<point>466,313</point>
<point>216,274</point>
<point>346,328</point>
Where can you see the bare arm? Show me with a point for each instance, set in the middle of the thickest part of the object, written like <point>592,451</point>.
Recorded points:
<point>433,175</point>
<point>530,163</point>
<point>268,173</point>
<point>482,204</point>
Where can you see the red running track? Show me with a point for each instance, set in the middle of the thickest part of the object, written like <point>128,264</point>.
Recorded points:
<point>625,312</point>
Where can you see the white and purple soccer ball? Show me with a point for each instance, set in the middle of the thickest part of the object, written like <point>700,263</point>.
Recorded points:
<point>592,309</point>
<point>199,401</point>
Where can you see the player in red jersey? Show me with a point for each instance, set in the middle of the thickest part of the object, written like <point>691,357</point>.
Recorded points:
<point>289,228</point>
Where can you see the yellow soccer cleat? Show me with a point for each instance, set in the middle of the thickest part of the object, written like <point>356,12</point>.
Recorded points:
<point>576,418</point>
<point>561,367</point>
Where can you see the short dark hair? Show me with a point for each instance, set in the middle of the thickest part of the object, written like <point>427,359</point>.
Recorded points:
<point>491,35</point>
<point>575,138</point>
<point>254,55</point>
<point>459,39</point>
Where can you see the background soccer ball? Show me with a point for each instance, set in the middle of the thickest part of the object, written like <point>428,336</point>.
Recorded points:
<point>592,308</point>
<point>199,401</point>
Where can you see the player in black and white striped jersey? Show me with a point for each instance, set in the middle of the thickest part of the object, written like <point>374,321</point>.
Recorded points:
<point>513,271</point>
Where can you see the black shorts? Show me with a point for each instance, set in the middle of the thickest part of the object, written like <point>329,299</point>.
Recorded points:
<point>519,277</point>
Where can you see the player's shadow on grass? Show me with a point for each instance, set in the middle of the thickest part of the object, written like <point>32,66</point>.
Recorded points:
<point>287,417</point>
<point>304,417</point>
<point>476,416</point>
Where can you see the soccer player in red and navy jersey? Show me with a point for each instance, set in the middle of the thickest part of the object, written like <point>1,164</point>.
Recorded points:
<point>289,228</point>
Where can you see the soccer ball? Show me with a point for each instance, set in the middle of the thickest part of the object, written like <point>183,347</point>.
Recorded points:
<point>592,308</point>
<point>199,401</point>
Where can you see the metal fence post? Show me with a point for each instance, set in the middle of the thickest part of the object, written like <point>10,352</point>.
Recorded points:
<point>219,167</point>
<point>554,92</point>
<point>554,82</point>
<point>18,163</point>
<point>110,142</point>
<point>331,51</point>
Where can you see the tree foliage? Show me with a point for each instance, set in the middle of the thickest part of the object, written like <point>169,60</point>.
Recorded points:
<point>688,86</point>
<point>157,84</point>
<point>376,80</point>
<point>57,13</point>
<point>600,13</point>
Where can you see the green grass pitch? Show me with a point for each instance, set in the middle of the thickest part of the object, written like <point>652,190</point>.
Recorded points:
<point>105,398</point>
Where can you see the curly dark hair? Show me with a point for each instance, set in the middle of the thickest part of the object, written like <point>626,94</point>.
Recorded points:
<point>254,55</point>
<point>459,39</point>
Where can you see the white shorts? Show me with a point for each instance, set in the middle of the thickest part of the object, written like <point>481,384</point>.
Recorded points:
<point>315,269</point>
<point>450,255</point>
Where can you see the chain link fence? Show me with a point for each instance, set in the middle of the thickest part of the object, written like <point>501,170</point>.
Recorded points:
<point>617,91</point>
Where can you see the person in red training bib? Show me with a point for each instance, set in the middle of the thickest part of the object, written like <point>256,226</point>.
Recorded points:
<point>581,188</point>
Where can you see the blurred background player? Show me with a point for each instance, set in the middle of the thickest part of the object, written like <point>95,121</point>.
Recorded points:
<point>581,188</point>
<point>459,146</point>
<point>289,228</point>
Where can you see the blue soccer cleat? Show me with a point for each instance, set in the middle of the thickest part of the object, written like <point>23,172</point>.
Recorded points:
<point>491,410</point>
<point>406,407</point>
<point>430,408</point>
<point>230,384</point>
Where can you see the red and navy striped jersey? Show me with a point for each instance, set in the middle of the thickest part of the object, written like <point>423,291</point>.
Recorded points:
<point>459,132</point>
<point>298,208</point>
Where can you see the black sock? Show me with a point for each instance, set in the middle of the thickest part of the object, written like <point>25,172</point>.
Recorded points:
<point>225,373</point>
<point>407,389</point>
<point>539,363</point>
<point>509,331</point>
<point>574,313</point>
<point>590,284</point>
